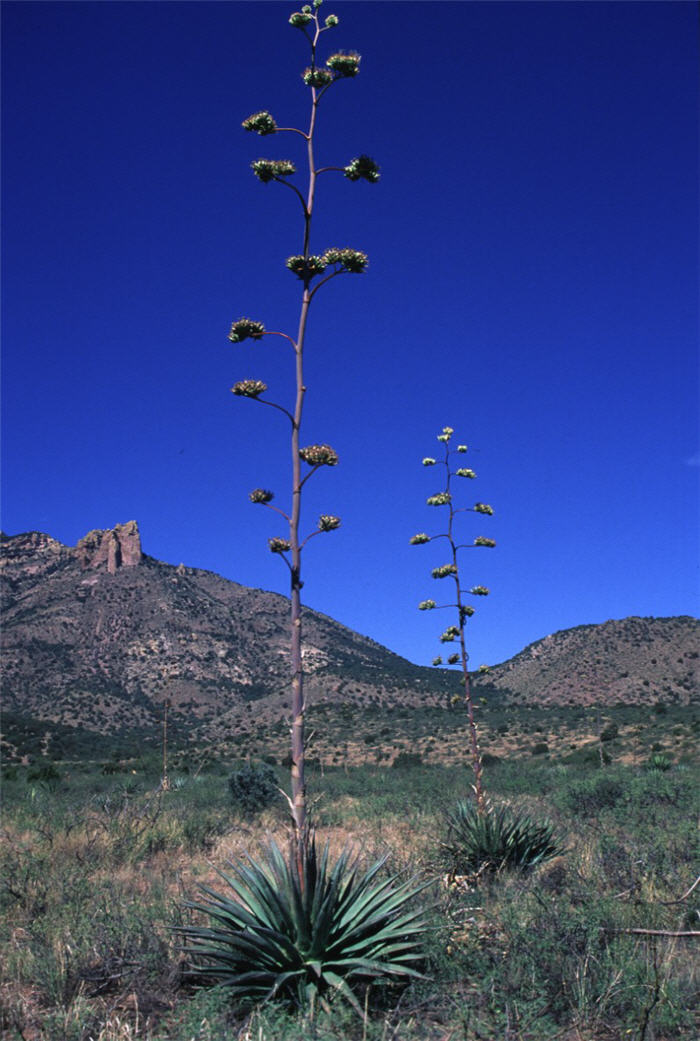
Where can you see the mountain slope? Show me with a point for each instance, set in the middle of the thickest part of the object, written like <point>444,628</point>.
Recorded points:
<point>634,660</point>
<point>99,636</point>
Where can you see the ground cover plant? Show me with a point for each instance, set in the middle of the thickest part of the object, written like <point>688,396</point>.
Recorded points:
<point>96,866</point>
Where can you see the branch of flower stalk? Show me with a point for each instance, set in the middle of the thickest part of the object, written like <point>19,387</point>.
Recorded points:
<point>311,535</point>
<point>274,332</point>
<point>338,271</point>
<point>302,200</point>
<point>311,472</point>
<point>292,130</point>
<point>280,408</point>
<point>275,508</point>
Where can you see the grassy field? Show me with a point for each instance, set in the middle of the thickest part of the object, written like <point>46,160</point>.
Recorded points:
<point>97,862</point>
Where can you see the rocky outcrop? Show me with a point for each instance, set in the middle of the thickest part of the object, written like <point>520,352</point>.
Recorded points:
<point>32,553</point>
<point>120,547</point>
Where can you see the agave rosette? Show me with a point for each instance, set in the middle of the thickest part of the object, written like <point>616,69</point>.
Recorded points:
<point>296,932</point>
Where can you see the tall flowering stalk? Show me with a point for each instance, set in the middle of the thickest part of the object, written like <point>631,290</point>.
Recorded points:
<point>313,270</point>
<point>451,570</point>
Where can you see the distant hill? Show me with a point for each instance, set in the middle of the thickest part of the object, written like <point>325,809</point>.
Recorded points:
<point>631,661</point>
<point>99,635</point>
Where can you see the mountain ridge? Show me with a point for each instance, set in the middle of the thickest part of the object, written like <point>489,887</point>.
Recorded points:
<point>99,636</point>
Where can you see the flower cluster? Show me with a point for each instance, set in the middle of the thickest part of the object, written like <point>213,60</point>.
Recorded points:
<point>450,634</point>
<point>278,545</point>
<point>331,21</point>
<point>362,168</point>
<point>300,19</point>
<point>261,123</point>
<point>270,169</point>
<point>465,612</point>
<point>344,64</point>
<point>249,388</point>
<point>419,539</point>
<point>319,455</point>
<point>429,461</point>
<point>441,499</point>
<point>245,329</point>
<point>484,668</point>
<point>479,591</point>
<point>306,267</point>
<point>444,570</point>
<point>437,661</point>
<point>314,77</point>
<point>427,605</point>
<point>481,507</point>
<point>352,260</point>
<point>465,472</point>
<point>262,495</point>
<point>453,659</point>
<point>446,434</point>
<point>327,522</point>
<point>481,540</point>
<point>461,448</point>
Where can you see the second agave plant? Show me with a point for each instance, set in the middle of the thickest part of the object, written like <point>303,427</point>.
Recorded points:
<point>463,610</point>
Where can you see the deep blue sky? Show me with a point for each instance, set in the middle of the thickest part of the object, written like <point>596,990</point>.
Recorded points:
<point>533,283</point>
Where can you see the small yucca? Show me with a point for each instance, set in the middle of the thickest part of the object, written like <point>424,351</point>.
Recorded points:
<point>300,931</point>
<point>500,838</point>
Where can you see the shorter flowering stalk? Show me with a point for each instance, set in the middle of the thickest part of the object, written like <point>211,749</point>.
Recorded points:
<point>456,633</point>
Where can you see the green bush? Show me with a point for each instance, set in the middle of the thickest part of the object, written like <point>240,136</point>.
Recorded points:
<point>301,931</point>
<point>502,838</point>
<point>592,794</point>
<point>405,760</point>
<point>46,773</point>
<point>253,787</point>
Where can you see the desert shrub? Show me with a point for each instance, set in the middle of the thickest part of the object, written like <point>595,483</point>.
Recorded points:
<point>540,748</point>
<point>610,732</point>
<point>589,755</point>
<point>46,773</point>
<point>406,760</point>
<point>590,795</point>
<point>298,931</point>
<point>502,838</point>
<point>253,787</point>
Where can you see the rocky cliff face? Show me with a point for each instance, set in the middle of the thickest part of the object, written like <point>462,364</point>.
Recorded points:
<point>120,547</point>
<point>34,553</point>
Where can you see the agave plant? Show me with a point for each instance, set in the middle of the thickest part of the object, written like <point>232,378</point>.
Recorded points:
<point>299,931</point>
<point>498,838</point>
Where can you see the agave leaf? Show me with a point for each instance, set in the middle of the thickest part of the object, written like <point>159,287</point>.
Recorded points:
<point>338,984</point>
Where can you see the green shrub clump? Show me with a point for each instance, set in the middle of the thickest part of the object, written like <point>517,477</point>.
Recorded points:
<point>253,787</point>
<point>501,838</point>
<point>407,760</point>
